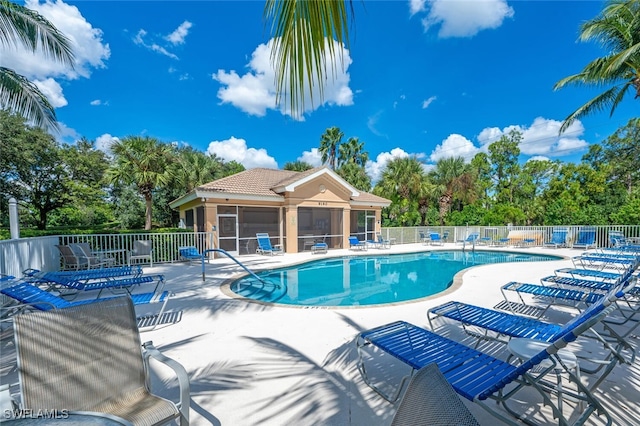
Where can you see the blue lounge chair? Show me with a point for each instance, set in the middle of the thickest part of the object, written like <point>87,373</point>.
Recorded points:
<point>604,260</point>
<point>592,273</point>
<point>265,247</point>
<point>89,274</point>
<point>471,238</point>
<point>28,295</point>
<point>71,285</point>
<point>480,377</point>
<point>503,326</point>
<point>558,238</point>
<point>190,254</point>
<point>320,246</point>
<point>356,244</point>
<point>381,243</point>
<point>586,238</point>
<point>434,239</point>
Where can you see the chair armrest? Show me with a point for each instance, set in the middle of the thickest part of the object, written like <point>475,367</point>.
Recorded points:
<point>150,351</point>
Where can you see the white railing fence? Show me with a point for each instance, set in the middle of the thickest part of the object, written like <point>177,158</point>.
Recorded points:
<point>410,235</point>
<point>41,253</point>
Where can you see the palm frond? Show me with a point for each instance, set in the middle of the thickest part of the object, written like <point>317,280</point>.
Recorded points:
<point>303,38</point>
<point>22,26</point>
<point>610,97</point>
<point>22,96</point>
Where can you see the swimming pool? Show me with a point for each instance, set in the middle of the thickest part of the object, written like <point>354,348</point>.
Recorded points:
<point>370,279</point>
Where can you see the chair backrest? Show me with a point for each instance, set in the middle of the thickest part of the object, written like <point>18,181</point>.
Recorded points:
<point>264,242</point>
<point>354,241</point>
<point>473,236</point>
<point>79,357</point>
<point>586,236</point>
<point>616,238</point>
<point>445,235</point>
<point>434,236</point>
<point>70,258</point>
<point>142,247</point>
<point>430,400</point>
<point>188,251</point>
<point>559,236</point>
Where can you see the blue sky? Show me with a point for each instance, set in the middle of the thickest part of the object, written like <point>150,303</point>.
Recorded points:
<point>430,78</point>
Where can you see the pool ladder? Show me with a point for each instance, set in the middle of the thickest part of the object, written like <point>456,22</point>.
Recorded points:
<point>250,272</point>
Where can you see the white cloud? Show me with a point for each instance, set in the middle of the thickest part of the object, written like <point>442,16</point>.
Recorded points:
<point>312,157</point>
<point>538,158</point>
<point>375,168</point>
<point>235,149</point>
<point>464,18</point>
<point>141,40</point>
<point>416,6</point>
<point>95,102</point>
<point>454,146</point>
<point>180,33</point>
<point>541,138</point>
<point>427,102</point>
<point>254,92</point>
<point>86,42</point>
<point>104,142</point>
<point>372,122</point>
<point>52,90</point>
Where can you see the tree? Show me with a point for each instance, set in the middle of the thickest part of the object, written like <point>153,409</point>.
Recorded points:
<point>297,166</point>
<point>619,152</point>
<point>356,176</point>
<point>31,169</point>
<point>303,33</point>
<point>86,167</point>
<point>481,168</point>
<point>329,143</point>
<point>141,161</point>
<point>618,29</point>
<point>352,152</point>
<point>405,183</point>
<point>530,184</point>
<point>503,155</point>
<point>20,26</point>
<point>451,177</point>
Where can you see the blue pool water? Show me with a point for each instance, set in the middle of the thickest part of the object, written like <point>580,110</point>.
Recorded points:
<point>369,280</point>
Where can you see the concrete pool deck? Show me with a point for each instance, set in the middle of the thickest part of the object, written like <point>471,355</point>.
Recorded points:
<point>259,364</point>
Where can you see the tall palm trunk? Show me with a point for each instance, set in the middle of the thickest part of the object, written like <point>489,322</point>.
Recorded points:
<point>444,203</point>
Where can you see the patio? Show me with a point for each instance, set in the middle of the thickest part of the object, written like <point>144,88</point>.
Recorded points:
<point>253,363</point>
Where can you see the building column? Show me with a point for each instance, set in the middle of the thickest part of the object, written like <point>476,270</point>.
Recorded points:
<point>346,226</point>
<point>291,224</point>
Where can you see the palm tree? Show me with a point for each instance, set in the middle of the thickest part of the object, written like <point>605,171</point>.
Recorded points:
<point>297,166</point>
<point>329,143</point>
<point>451,176</point>
<point>20,26</point>
<point>303,33</point>
<point>617,28</point>
<point>141,161</point>
<point>352,152</point>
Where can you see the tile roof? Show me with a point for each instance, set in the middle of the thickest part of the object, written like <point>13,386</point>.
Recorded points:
<point>251,182</point>
<point>261,181</point>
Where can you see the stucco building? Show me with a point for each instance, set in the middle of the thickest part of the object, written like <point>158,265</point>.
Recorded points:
<point>295,208</point>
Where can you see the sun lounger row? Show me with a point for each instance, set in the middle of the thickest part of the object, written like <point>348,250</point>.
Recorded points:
<point>480,377</point>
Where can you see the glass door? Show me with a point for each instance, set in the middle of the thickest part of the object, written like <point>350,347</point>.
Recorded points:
<point>228,233</point>
<point>370,227</point>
